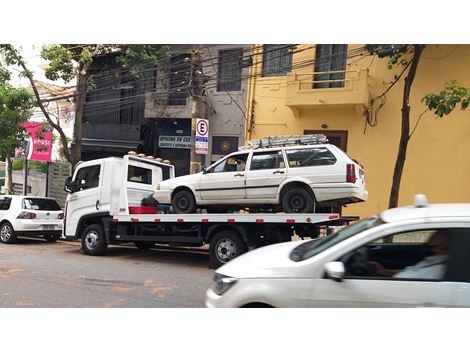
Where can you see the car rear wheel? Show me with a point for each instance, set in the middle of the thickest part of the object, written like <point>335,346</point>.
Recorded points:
<point>225,246</point>
<point>183,202</point>
<point>298,200</point>
<point>7,234</point>
<point>93,240</point>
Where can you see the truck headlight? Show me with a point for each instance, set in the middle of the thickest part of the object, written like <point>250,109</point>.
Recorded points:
<point>222,283</point>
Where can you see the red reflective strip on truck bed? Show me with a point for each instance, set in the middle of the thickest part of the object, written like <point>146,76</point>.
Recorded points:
<point>290,221</point>
<point>115,220</point>
<point>157,220</point>
<point>134,220</point>
<point>333,217</point>
<point>180,220</point>
<point>204,220</point>
<point>230,220</point>
<point>259,220</point>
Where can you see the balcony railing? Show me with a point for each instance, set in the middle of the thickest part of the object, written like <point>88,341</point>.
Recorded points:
<point>340,88</point>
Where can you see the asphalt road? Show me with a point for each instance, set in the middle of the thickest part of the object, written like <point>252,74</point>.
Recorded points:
<point>34,273</point>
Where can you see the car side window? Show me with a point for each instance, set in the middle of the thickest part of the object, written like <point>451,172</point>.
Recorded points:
<point>413,255</point>
<point>310,157</point>
<point>233,163</point>
<point>88,177</point>
<point>5,203</point>
<point>267,160</point>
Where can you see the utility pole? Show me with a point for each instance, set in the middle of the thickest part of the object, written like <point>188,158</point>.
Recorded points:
<point>197,110</point>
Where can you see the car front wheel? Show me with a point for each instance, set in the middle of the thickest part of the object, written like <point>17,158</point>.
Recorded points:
<point>298,200</point>
<point>183,202</point>
<point>7,234</point>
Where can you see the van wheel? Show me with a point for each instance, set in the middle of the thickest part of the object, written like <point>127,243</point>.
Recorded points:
<point>298,200</point>
<point>183,202</point>
<point>225,246</point>
<point>144,245</point>
<point>7,234</point>
<point>93,240</point>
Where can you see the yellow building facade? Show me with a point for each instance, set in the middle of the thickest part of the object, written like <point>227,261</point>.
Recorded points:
<point>307,97</point>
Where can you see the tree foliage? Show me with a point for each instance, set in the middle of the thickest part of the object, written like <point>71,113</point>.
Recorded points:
<point>444,102</point>
<point>15,106</point>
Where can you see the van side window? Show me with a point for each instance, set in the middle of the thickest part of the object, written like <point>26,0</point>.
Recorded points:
<point>310,157</point>
<point>88,177</point>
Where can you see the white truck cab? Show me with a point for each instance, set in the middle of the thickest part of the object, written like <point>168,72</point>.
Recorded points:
<point>105,187</point>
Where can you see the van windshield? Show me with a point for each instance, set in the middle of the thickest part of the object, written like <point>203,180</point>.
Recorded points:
<point>309,249</point>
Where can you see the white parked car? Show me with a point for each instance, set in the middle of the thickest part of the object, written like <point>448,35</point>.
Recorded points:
<point>27,216</point>
<point>296,179</point>
<point>342,270</point>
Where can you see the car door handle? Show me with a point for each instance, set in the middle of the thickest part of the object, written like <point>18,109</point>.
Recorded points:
<point>97,205</point>
<point>239,174</point>
<point>278,172</point>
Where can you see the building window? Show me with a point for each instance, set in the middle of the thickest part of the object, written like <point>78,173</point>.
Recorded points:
<point>179,79</point>
<point>277,59</point>
<point>230,71</point>
<point>330,63</point>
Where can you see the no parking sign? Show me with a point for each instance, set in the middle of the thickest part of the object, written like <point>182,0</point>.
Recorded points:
<point>202,136</point>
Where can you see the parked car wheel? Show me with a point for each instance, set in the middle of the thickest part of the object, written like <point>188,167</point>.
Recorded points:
<point>183,202</point>
<point>144,245</point>
<point>225,246</point>
<point>7,234</point>
<point>93,240</point>
<point>298,200</point>
<point>52,238</point>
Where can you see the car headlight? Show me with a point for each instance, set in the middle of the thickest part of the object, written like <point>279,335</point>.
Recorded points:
<point>222,283</point>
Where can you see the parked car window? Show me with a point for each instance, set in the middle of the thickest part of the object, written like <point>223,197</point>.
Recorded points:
<point>310,157</point>
<point>139,175</point>
<point>267,160</point>
<point>40,204</point>
<point>5,203</point>
<point>88,177</point>
<point>232,164</point>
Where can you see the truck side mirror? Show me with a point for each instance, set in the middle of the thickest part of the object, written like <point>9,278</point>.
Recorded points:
<point>69,187</point>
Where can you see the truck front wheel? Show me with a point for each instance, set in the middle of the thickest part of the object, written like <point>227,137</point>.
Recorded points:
<point>224,246</point>
<point>93,240</point>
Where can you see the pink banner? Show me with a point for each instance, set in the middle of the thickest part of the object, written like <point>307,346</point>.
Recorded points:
<point>40,145</point>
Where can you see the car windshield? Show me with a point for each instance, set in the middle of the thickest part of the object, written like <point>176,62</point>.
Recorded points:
<point>40,204</point>
<point>309,249</point>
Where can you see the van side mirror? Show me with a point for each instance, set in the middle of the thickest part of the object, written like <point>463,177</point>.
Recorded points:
<point>335,270</point>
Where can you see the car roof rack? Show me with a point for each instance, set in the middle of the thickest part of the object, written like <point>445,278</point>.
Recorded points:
<point>285,141</point>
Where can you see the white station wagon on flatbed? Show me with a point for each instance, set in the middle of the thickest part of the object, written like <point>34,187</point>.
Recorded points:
<point>296,174</point>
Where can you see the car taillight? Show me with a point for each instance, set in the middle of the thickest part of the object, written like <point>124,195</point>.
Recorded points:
<point>351,173</point>
<point>26,215</point>
<point>60,216</point>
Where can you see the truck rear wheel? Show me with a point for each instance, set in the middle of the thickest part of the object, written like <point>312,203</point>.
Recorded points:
<point>93,240</point>
<point>224,246</point>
